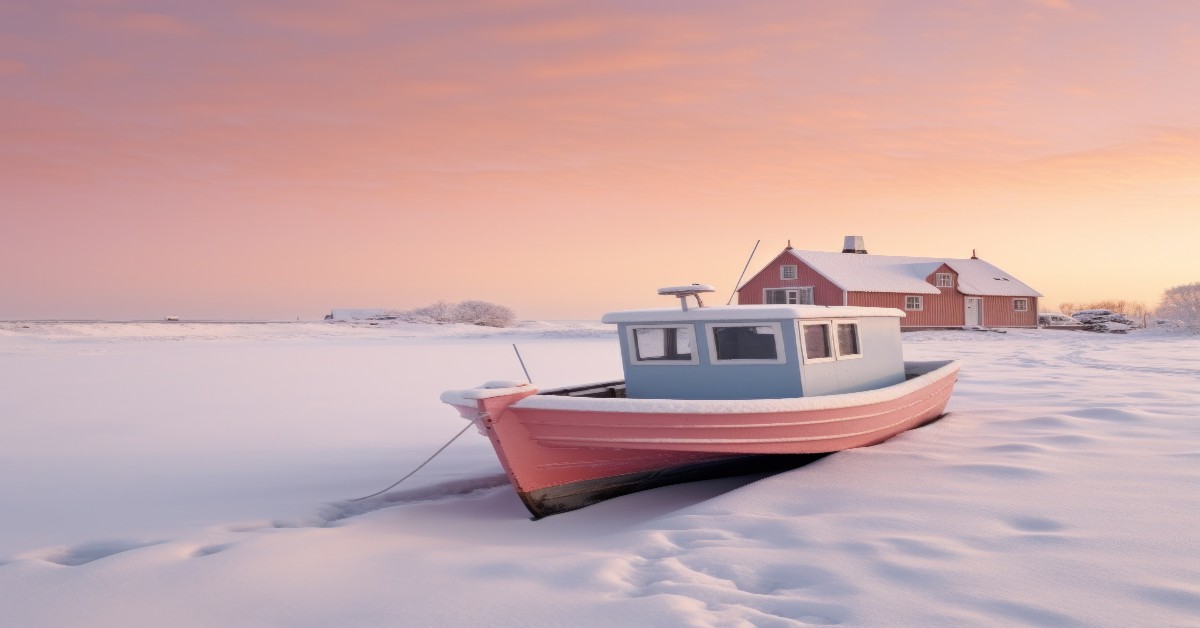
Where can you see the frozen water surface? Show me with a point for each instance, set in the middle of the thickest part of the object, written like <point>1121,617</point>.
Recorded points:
<point>199,475</point>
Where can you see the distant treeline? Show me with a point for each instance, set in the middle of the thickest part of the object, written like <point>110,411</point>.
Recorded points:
<point>470,312</point>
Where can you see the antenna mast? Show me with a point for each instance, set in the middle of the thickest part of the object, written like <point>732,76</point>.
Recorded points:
<point>739,281</point>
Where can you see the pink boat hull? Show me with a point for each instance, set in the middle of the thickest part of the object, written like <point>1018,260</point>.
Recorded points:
<point>563,453</point>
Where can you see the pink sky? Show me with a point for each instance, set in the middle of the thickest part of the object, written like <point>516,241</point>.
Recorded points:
<point>277,159</point>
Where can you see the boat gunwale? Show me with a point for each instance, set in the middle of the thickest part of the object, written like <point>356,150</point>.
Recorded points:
<point>938,370</point>
<point>934,391</point>
<point>593,441</point>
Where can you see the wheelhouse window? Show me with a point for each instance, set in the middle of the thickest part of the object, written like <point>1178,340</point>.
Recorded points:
<point>829,340</point>
<point>816,341</point>
<point>746,343</point>
<point>847,340</point>
<point>1020,305</point>
<point>945,280</point>
<point>662,344</point>
<point>787,271</point>
<point>788,296</point>
<point>914,303</point>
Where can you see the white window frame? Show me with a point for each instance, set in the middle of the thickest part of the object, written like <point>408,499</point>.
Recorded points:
<point>1024,302</point>
<point>787,296</point>
<point>949,280</point>
<point>789,292</point>
<point>783,272</point>
<point>837,346</point>
<point>920,302</point>
<point>710,335</point>
<point>633,347</point>
<point>829,340</point>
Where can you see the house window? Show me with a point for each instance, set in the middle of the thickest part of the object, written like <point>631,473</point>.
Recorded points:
<point>914,303</point>
<point>780,296</point>
<point>788,296</point>
<point>945,280</point>
<point>847,341</point>
<point>1020,305</point>
<point>787,271</point>
<point>745,343</point>
<point>662,344</point>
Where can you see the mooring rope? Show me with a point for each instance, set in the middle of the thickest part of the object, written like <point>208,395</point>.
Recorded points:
<point>470,424</point>
<point>464,430</point>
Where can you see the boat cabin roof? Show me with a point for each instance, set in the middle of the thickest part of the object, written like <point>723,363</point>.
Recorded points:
<point>748,313</point>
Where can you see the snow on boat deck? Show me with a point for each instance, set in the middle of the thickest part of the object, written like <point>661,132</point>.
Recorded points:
<point>193,478</point>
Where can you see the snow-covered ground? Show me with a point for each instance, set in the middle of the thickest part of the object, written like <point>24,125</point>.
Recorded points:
<point>196,475</point>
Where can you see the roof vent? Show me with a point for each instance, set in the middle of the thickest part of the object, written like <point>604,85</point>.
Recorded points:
<point>683,292</point>
<point>854,244</point>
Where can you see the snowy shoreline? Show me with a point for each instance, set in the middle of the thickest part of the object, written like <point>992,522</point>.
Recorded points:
<point>200,477</point>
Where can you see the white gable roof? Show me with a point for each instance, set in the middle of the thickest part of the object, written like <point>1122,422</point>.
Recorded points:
<point>747,313</point>
<point>894,273</point>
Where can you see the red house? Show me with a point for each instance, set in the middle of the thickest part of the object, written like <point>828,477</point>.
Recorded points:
<point>933,292</point>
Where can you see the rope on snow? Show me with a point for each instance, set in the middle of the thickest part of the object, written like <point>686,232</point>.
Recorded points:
<point>470,424</point>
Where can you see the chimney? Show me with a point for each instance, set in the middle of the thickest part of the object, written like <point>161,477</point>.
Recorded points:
<point>854,244</point>
<point>973,256</point>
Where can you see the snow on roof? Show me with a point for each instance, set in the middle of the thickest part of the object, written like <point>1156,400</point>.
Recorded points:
<point>895,273</point>
<point>747,313</point>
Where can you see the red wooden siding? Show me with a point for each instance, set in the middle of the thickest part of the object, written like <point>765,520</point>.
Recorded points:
<point>938,310</point>
<point>947,309</point>
<point>998,312</point>
<point>944,310</point>
<point>824,291</point>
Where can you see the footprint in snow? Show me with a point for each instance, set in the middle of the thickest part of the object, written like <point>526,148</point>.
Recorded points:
<point>1035,524</point>
<point>677,563</point>
<point>1186,597</point>
<point>1115,415</point>
<point>209,550</point>
<point>999,471</point>
<point>1016,448</point>
<point>1038,530</point>
<point>90,552</point>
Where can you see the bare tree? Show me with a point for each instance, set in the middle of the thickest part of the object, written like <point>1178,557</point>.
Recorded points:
<point>439,312</point>
<point>471,312</point>
<point>1182,303</point>
<point>483,313</point>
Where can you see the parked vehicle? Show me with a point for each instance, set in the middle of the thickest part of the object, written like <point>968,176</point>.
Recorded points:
<point>1056,319</point>
<point>1104,321</point>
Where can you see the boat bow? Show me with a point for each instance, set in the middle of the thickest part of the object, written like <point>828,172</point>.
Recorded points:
<point>486,402</point>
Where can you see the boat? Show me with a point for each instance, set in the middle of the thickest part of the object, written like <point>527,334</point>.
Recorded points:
<point>709,391</point>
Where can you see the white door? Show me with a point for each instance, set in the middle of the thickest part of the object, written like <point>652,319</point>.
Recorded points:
<point>972,315</point>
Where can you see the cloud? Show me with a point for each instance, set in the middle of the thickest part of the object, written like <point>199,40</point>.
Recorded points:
<point>1060,5</point>
<point>311,21</point>
<point>432,119</point>
<point>143,23</point>
<point>11,67</point>
<point>602,63</point>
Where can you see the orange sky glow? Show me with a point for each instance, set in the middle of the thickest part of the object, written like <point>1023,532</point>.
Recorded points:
<point>275,159</point>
